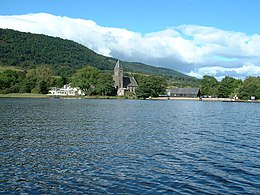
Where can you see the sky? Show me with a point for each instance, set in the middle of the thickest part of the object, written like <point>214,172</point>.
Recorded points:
<point>196,37</point>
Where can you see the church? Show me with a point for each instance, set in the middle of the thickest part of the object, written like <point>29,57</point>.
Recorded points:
<point>123,84</point>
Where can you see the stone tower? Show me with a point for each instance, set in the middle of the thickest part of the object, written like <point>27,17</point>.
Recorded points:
<point>118,76</point>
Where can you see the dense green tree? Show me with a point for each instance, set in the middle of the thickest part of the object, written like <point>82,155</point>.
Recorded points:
<point>42,87</point>
<point>209,86</point>
<point>86,79</point>
<point>7,79</point>
<point>36,77</point>
<point>59,81</point>
<point>250,87</point>
<point>10,81</point>
<point>150,86</point>
<point>228,86</point>
<point>105,85</point>
<point>25,87</point>
<point>93,82</point>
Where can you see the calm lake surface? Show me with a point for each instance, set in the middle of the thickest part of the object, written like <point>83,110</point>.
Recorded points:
<point>55,146</point>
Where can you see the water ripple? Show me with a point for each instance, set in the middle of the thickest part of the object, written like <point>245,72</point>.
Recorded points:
<point>128,147</point>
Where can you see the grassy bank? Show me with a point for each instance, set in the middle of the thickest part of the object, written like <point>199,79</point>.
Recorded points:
<point>33,95</point>
<point>23,95</point>
<point>108,97</point>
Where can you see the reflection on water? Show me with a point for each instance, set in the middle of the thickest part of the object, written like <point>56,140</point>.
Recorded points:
<point>123,146</point>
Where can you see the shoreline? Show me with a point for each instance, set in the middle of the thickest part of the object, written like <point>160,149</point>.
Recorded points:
<point>45,96</point>
<point>204,99</point>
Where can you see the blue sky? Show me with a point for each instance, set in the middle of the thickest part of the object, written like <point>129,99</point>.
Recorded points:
<point>148,15</point>
<point>196,37</point>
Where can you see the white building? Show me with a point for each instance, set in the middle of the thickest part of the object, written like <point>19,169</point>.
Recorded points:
<point>66,90</point>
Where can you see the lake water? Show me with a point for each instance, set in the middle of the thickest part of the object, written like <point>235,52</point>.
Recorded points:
<point>55,146</point>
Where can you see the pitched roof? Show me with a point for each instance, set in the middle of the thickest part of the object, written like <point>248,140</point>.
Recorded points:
<point>118,65</point>
<point>186,91</point>
<point>129,82</point>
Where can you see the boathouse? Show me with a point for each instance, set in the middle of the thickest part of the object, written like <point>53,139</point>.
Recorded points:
<point>184,92</point>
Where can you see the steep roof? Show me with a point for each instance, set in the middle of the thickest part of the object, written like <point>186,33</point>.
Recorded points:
<point>185,91</point>
<point>129,82</point>
<point>118,66</point>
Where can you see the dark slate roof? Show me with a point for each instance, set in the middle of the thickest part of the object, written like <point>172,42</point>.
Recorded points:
<point>129,82</point>
<point>185,91</point>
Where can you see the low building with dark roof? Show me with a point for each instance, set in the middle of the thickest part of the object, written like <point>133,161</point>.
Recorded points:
<point>184,92</point>
<point>129,83</point>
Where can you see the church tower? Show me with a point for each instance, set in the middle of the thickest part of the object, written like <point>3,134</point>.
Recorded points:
<point>118,76</point>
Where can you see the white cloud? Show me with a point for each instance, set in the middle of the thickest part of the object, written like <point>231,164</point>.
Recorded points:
<point>196,50</point>
<point>220,72</point>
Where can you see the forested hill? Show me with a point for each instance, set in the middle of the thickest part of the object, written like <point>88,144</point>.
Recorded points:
<point>29,50</point>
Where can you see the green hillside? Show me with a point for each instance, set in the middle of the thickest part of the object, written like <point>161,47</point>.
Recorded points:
<point>64,57</point>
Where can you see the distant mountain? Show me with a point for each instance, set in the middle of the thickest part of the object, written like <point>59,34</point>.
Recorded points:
<point>29,50</point>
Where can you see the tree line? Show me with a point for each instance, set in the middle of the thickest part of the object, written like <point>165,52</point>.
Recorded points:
<point>37,80</point>
<point>96,82</point>
<point>230,87</point>
<point>91,80</point>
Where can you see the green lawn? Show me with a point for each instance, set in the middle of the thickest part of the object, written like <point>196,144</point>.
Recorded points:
<point>23,95</point>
